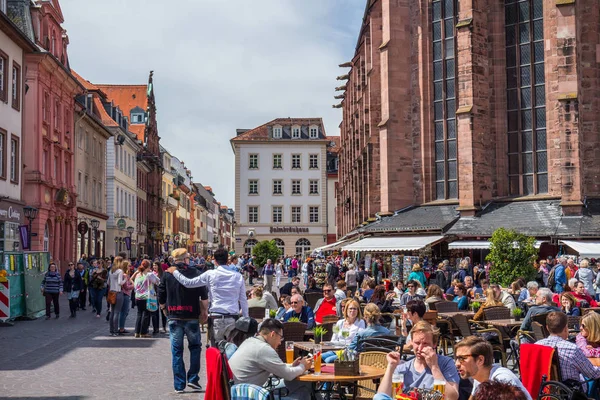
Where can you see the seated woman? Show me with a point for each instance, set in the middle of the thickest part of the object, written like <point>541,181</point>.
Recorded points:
<point>368,289</point>
<point>312,286</point>
<point>460,296</point>
<point>588,340</point>
<point>244,328</point>
<point>372,316</point>
<point>415,309</point>
<point>434,294</point>
<point>352,322</point>
<point>568,304</point>
<point>284,300</point>
<point>257,299</point>
<point>492,300</point>
<point>383,301</point>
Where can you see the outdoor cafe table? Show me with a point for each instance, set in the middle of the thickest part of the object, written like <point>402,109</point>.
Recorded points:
<point>367,372</point>
<point>326,346</point>
<point>503,323</point>
<point>595,361</point>
<point>468,314</point>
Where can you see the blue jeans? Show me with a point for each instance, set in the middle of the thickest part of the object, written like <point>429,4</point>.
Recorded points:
<point>191,329</point>
<point>329,357</point>
<point>124,311</point>
<point>97,299</point>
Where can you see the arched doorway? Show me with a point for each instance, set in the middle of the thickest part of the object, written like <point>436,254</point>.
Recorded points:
<point>302,245</point>
<point>280,245</point>
<point>249,245</point>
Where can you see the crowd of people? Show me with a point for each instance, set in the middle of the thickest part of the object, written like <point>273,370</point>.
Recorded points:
<point>177,290</point>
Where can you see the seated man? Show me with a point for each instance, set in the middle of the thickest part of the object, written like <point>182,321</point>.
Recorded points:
<point>580,294</point>
<point>532,288</point>
<point>505,297</point>
<point>472,290</point>
<point>543,305</point>
<point>474,357</point>
<point>256,359</point>
<point>427,366</point>
<point>287,288</point>
<point>299,310</point>
<point>570,357</point>
<point>326,304</point>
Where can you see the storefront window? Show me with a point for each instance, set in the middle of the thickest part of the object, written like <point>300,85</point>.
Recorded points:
<point>9,236</point>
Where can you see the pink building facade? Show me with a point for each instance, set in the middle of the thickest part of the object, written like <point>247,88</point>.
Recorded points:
<point>48,132</point>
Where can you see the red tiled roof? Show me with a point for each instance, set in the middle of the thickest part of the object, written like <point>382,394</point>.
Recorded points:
<point>208,188</point>
<point>84,82</point>
<point>336,147</point>
<point>128,97</point>
<point>262,132</point>
<point>106,119</point>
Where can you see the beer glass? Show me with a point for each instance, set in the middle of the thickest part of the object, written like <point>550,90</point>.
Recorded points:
<point>289,352</point>
<point>317,352</point>
<point>397,384</point>
<point>440,386</point>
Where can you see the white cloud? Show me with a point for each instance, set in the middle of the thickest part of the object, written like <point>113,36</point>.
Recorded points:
<point>219,65</point>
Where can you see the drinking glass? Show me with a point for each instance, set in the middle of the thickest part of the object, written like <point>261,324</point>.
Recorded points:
<point>317,351</point>
<point>289,352</point>
<point>440,386</point>
<point>397,384</point>
<point>345,334</point>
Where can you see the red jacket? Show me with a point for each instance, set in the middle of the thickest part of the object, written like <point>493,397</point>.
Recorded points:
<point>215,389</point>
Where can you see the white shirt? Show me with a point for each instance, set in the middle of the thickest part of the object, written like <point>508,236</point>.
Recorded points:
<point>225,287</point>
<point>115,280</point>
<point>505,375</point>
<point>358,326</point>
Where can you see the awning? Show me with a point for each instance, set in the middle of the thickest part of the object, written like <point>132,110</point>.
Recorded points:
<point>335,246</point>
<point>585,249</point>
<point>392,243</point>
<point>480,244</point>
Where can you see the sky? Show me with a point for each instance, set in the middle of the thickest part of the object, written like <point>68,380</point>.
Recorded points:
<point>218,65</point>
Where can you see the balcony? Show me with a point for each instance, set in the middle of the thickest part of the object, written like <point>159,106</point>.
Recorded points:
<point>172,203</point>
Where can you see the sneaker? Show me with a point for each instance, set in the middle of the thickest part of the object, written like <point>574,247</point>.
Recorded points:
<point>194,386</point>
<point>179,391</point>
<point>97,315</point>
<point>137,335</point>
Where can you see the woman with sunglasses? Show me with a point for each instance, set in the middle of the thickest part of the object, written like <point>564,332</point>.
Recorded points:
<point>588,340</point>
<point>72,285</point>
<point>352,323</point>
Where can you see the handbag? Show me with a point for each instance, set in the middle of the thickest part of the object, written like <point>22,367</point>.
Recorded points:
<point>111,297</point>
<point>152,302</point>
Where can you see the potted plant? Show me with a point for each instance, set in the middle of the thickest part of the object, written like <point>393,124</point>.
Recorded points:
<point>475,305</point>
<point>293,319</point>
<point>319,332</point>
<point>517,313</point>
<point>272,313</point>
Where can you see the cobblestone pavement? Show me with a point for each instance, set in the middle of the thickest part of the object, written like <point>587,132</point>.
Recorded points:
<point>69,358</point>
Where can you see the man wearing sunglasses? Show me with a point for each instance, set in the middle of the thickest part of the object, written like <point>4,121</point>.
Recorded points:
<point>299,310</point>
<point>325,305</point>
<point>474,357</point>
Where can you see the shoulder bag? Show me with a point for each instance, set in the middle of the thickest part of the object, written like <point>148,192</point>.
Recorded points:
<point>152,302</point>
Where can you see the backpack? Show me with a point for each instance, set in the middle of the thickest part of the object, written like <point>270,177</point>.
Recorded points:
<point>551,279</point>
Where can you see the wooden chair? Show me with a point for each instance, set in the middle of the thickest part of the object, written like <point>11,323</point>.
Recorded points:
<point>312,298</point>
<point>367,388</point>
<point>432,306</point>
<point>539,331</point>
<point>256,312</point>
<point>384,343</point>
<point>329,327</point>
<point>499,312</point>
<point>590,309</point>
<point>446,306</point>
<point>464,329</point>
<point>431,317</point>
<point>449,297</point>
<point>292,331</point>
<point>574,322</point>
<point>330,319</point>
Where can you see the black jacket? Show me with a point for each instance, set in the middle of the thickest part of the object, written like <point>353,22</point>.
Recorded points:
<point>286,289</point>
<point>72,284</point>
<point>181,302</point>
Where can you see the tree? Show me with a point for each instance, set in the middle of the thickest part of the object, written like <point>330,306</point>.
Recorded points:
<point>265,250</point>
<point>512,255</point>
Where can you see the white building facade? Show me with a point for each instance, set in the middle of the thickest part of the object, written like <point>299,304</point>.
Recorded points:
<point>281,185</point>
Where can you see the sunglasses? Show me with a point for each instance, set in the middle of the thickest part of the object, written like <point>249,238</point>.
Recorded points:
<point>462,359</point>
<point>294,302</point>
<point>326,291</point>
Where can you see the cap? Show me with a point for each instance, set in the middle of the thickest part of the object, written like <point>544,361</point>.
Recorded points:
<point>247,325</point>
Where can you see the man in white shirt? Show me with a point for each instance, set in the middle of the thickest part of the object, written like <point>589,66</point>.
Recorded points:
<point>474,357</point>
<point>227,293</point>
<point>505,298</point>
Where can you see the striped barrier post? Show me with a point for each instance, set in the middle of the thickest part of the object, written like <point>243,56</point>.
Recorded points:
<point>4,298</point>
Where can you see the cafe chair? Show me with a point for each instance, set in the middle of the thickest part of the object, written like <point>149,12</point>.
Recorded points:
<point>384,343</point>
<point>496,312</point>
<point>573,323</point>
<point>219,378</point>
<point>292,331</point>
<point>312,298</point>
<point>367,388</point>
<point>256,312</point>
<point>446,306</point>
<point>591,309</point>
<point>535,363</point>
<point>464,329</point>
<point>248,391</point>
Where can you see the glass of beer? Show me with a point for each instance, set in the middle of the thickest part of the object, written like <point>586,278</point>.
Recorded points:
<point>317,352</point>
<point>289,352</point>
<point>440,386</point>
<point>397,384</point>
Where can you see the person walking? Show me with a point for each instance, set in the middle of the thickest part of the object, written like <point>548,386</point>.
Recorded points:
<point>158,316</point>
<point>184,307</point>
<point>126,289</point>
<point>143,280</point>
<point>52,287</point>
<point>73,284</point>
<point>115,294</point>
<point>85,279</point>
<point>227,293</point>
<point>268,272</point>
<point>278,273</point>
<point>97,285</point>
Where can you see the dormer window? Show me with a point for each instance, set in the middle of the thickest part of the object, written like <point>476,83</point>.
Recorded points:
<point>277,132</point>
<point>295,132</point>
<point>314,132</point>
<point>138,115</point>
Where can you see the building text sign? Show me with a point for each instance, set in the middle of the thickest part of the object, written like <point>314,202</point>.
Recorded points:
<point>288,229</point>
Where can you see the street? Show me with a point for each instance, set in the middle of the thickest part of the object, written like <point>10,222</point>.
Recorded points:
<point>69,358</point>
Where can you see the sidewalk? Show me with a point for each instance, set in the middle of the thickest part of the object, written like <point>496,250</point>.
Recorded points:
<point>70,358</point>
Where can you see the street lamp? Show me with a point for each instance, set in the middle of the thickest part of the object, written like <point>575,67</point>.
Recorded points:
<point>95,224</point>
<point>130,230</point>
<point>31,214</point>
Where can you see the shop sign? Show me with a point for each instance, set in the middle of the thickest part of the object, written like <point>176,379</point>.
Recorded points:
<point>288,229</point>
<point>121,224</point>
<point>10,214</point>
<point>82,228</point>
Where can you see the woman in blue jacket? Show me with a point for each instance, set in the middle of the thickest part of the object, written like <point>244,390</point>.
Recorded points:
<point>460,297</point>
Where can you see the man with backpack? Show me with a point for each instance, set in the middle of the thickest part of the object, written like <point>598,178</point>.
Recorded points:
<point>557,277</point>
